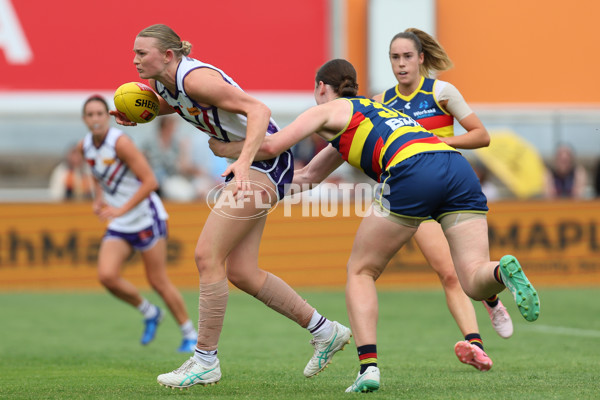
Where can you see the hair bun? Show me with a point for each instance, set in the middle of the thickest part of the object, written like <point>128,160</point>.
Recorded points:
<point>186,47</point>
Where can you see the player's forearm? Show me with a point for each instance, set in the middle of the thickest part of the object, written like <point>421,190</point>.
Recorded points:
<point>319,168</point>
<point>234,149</point>
<point>257,125</point>
<point>142,193</point>
<point>474,139</point>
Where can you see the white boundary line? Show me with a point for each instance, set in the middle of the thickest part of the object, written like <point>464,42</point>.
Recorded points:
<point>562,330</point>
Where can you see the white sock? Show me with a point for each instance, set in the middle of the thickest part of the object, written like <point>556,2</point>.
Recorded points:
<point>320,327</point>
<point>205,357</point>
<point>187,330</point>
<point>148,309</point>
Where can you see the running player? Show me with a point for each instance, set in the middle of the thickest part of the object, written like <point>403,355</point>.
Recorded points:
<point>125,198</point>
<point>420,176</point>
<point>214,103</point>
<point>435,104</point>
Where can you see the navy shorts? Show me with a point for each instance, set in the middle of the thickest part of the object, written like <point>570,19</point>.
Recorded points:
<point>144,239</point>
<point>431,185</point>
<point>280,171</point>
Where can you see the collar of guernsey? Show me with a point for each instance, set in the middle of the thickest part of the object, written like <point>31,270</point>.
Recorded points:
<point>376,138</point>
<point>423,106</point>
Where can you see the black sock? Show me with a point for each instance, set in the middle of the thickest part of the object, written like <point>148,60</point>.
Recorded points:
<point>497,274</point>
<point>367,355</point>
<point>492,301</point>
<point>475,339</point>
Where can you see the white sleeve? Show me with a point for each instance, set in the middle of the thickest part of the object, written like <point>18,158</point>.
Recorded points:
<point>457,106</point>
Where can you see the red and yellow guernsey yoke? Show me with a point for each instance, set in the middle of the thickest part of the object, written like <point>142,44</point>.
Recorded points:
<point>423,106</point>
<point>376,138</point>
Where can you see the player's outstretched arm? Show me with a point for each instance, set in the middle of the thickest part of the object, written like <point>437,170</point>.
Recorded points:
<point>319,168</point>
<point>314,120</point>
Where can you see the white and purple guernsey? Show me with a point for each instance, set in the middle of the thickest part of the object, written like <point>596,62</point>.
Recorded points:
<point>119,183</point>
<point>224,125</point>
<point>215,122</point>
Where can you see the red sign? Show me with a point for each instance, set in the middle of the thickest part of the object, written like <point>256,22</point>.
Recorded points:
<point>269,45</point>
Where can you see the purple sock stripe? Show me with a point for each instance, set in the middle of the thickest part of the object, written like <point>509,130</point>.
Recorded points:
<point>319,324</point>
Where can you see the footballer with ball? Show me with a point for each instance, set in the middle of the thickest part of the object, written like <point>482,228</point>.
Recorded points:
<point>209,99</point>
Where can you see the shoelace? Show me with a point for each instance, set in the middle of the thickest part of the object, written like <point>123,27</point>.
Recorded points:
<point>499,314</point>
<point>188,365</point>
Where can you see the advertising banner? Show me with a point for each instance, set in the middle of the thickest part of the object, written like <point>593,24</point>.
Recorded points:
<point>55,246</point>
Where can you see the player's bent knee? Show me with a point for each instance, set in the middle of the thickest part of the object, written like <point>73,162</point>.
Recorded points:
<point>159,284</point>
<point>239,280</point>
<point>471,291</point>
<point>108,280</point>
<point>355,270</point>
<point>204,261</point>
<point>448,280</point>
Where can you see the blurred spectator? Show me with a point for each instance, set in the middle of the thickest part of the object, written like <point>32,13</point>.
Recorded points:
<point>72,179</point>
<point>345,174</point>
<point>305,150</point>
<point>169,155</point>
<point>489,188</point>
<point>565,177</point>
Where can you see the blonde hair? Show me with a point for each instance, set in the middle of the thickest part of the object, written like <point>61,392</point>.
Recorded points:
<point>435,57</point>
<point>167,39</point>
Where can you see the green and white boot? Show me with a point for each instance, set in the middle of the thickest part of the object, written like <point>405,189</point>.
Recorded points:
<point>368,381</point>
<point>522,290</point>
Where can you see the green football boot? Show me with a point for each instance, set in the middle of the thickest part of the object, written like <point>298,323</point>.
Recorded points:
<point>522,290</point>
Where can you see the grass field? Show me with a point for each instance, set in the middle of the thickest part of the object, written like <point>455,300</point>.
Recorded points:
<point>85,346</point>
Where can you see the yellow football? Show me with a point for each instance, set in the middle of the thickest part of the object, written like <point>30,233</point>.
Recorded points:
<point>137,101</point>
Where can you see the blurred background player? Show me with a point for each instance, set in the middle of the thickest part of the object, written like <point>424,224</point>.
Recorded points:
<point>227,249</point>
<point>125,198</point>
<point>435,104</point>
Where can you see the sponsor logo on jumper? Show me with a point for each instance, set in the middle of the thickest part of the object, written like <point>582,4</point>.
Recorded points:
<point>193,111</point>
<point>395,123</point>
<point>424,112</point>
